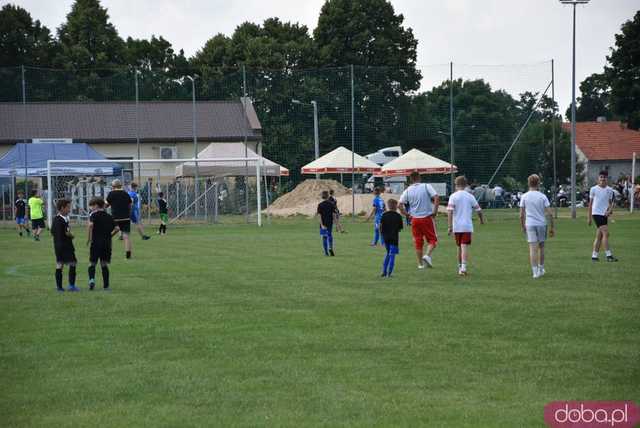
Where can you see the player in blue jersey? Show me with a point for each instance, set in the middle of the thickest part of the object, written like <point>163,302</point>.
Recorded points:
<point>376,212</point>
<point>135,211</point>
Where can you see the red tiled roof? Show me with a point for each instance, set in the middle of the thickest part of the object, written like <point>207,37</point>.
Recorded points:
<point>606,140</point>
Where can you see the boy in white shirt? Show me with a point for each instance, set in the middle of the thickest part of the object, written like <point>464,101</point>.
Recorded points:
<point>460,214</point>
<point>534,205</point>
<point>601,199</point>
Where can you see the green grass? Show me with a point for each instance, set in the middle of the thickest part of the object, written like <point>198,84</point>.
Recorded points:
<point>236,326</point>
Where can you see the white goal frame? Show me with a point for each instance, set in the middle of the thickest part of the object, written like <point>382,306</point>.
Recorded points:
<point>52,162</point>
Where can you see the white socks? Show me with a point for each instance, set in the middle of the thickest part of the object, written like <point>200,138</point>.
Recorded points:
<point>594,255</point>
<point>608,253</point>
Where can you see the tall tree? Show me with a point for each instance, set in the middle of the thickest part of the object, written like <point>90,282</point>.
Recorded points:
<point>594,99</point>
<point>24,41</point>
<point>370,35</point>
<point>88,39</point>
<point>623,73</point>
<point>154,54</point>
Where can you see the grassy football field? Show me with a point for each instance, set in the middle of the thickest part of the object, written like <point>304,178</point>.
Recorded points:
<point>240,326</point>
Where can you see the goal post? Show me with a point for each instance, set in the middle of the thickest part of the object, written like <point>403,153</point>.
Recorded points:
<point>227,183</point>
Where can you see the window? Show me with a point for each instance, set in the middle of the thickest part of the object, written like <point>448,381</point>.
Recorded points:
<point>391,153</point>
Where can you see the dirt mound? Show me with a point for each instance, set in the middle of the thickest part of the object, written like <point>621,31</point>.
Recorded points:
<point>308,192</point>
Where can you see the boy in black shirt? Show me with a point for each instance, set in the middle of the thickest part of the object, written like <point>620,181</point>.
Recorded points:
<point>100,230</point>
<point>164,214</point>
<point>390,227</point>
<point>21,213</point>
<point>63,245</point>
<point>120,203</point>
<point>327,211</point>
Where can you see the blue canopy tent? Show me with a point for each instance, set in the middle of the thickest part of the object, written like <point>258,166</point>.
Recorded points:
<point>31,160</point>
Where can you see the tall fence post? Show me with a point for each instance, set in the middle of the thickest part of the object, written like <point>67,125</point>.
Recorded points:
<point>24,113</point>
<point>353,148</point>
<point>451,140</point>
<point>135,73</point>
<point>246,154</point>
<point>4,208</point>
<point>553,130</point>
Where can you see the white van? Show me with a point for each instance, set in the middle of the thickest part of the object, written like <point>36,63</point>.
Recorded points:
<point>383,157</point>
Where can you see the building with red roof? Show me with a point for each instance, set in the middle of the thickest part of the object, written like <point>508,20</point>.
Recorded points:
<point>603,145</point>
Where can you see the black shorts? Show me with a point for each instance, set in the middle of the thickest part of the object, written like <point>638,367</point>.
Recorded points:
<point>100,251</point>
<point>124,225</point>
<point>37,224</point>
<point>600,220</point>
<point>65,255</point>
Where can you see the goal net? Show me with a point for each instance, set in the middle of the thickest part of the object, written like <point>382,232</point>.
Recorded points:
<point>206,190</point>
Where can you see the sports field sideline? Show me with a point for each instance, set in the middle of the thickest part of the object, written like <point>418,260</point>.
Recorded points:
<point>235,325</point>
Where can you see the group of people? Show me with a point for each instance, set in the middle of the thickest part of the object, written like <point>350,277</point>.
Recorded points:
<point>35,207</point>
<point>101,227</point>
<point>419,205</point>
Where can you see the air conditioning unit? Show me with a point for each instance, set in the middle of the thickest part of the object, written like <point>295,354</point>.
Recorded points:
<point>168,153</point>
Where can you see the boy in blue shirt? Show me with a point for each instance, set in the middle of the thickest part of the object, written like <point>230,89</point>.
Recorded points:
<point>135,211</point>
<point>377,211</point>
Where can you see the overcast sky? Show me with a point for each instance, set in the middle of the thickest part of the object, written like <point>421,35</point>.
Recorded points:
<point>481,32</point>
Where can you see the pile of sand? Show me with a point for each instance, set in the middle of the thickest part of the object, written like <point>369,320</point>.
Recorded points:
<point>304,199</point>
<point>308,192</point>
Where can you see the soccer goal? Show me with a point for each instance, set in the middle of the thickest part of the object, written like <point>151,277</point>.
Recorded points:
<point>197,191</point>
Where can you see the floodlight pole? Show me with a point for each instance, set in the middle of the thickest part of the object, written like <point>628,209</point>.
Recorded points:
<point>574,3</point>
<point>316,138</point>
<point>573,120</point>
<point>195,141</point>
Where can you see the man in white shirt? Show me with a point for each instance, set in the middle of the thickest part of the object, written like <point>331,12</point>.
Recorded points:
<point>460,212</point>
<point>423,203</point>
<point>498,192</point>
<point>601,199</point>
<point>533,207</point>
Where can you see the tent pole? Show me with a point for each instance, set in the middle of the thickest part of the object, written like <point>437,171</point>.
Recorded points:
<point>13,196</point>
<point>49,194</point>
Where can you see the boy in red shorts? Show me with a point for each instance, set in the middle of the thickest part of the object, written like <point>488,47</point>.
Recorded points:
<point>423,203</point>
<point>460,219</point>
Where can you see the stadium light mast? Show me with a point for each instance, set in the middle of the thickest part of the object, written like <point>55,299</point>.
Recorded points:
<point>195,141</point>
<point>574,3</point>
<point>316,137</point>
